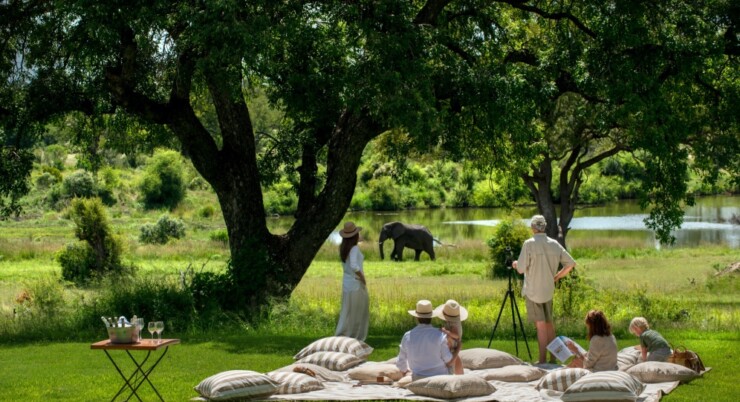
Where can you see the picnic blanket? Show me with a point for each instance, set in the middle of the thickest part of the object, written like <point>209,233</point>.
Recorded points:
<point>505,392</point>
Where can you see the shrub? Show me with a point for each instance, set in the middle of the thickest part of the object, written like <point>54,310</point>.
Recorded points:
<point>281,199</point>
<point>219,236</point>
<point>46,180</point>
<point>506,244</point>
<point>162,231</point>
<point>162,184</point>
<point>206,212</point>
<point>101,251</point>
<point>78,184</point>
<point>384,194</point>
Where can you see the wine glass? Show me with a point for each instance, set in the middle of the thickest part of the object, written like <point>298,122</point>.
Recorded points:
<point>152,327</point>
<point>159,327</point>
<point>139,323</point>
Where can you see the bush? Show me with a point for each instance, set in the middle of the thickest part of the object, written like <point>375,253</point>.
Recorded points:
<point>219,236</point>
<point>100,253</point>
<point>206,212</point>
<point>506,244</point>
<point>78,184</point>
<point>384,194</point>
<point>162,231</point>
<point>162,184</point>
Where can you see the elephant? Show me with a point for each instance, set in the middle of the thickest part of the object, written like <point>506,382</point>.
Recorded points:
<point>417,237</point>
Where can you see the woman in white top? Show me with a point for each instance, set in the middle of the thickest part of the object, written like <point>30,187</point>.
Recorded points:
<point>354,318</point>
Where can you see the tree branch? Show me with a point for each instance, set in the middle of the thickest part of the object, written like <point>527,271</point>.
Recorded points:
<point>521,5</point>
<point>430,12</point>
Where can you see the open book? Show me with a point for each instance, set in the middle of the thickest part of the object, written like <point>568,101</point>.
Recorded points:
<point>558,348</point>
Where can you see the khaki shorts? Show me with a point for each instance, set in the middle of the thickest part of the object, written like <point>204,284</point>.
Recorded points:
<point>539,311</point>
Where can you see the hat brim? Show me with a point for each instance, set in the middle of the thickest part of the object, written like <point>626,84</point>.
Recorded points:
<point>353,233</point>
<point>421,315</point>
<point>439,313</point>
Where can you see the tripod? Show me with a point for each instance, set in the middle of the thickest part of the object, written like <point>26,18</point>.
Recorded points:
<point>514,312</point>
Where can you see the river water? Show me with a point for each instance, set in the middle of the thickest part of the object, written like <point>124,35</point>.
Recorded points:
<point>711,221</point>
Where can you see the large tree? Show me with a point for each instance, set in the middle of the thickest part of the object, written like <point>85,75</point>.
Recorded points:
<point>658,81</point>
<point>342,72</point>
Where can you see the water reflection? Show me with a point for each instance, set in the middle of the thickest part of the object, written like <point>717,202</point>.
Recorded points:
<point>709,222</point>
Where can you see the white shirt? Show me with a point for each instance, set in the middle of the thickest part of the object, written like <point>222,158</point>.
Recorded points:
<point>424,351</point>
<point>353,265</point>
<point>538,261</point>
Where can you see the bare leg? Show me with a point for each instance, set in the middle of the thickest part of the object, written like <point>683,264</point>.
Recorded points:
<point>550,337</point>
<point>542,339</point>
<point>458,366</point>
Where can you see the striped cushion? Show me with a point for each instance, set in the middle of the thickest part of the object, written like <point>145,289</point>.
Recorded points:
<point>520,373</point>
<point>336,361</point>
<point>652,372</point>
<point>342,344</point>
<point>482,358</point>
<point>451,386</point>
<point>560,380</point>
<point>295,383</point>
<point>628,357</point>
<point>322,373</point>
<point>604,386</point>
<point>236,384</point>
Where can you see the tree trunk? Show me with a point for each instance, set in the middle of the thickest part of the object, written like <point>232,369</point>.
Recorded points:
<point>539,185</point>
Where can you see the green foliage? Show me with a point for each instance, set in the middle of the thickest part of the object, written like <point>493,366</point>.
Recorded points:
<point>221,236</point>
<point>54,155</point>
<point>78,262</point>
<point>162,185</point>
<point>78,184</point>
<point>206,212</point>
<point>99,251</point>
<point>383,194</point>
<point>506,244</point>
<point>165,229</point>
<point>598,190</point>
<point>280,199</point>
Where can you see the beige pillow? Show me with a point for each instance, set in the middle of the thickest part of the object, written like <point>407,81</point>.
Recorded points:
<point>235,384</point>
<point>342,344</point>
<point>371,371</point>
<point>627,360</point>
<point>322,373</point>
<point>451,386</point>
<point>482,358</point>
<point>403,382</point>
<point>336,361</point>
<point>560,380</point>
<point>652,372</point>
<point>604,386</point>
<point>295,383</point>
<point>520,373</point>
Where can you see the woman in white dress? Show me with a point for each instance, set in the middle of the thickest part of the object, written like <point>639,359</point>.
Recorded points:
<point>354,318</point>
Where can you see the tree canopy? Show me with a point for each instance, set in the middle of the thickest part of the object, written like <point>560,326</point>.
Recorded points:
<point>464,76</point>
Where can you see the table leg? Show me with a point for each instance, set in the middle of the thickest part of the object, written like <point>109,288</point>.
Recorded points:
<point>145,375</point>
<point>130,381</point>
<point>127,381</point>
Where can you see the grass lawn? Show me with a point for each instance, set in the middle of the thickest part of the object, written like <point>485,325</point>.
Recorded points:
<point>73,372</point>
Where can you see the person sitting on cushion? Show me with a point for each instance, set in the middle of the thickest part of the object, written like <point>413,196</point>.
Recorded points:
<point>602,347</point>
<point>424,351</point>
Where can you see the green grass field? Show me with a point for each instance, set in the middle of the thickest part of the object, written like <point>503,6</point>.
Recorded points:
<point>675,288</point>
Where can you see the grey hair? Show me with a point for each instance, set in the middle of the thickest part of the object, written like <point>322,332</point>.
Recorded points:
<point>538,223</point>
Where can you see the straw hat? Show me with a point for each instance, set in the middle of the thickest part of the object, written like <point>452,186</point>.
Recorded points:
<point>424,309</point>
<point>451,310</point>
<point>350,230</point>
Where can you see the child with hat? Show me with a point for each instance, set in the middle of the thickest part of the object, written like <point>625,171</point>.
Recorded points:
<point>453,314</point>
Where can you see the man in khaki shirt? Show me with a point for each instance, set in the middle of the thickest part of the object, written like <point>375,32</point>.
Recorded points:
<point>539,261</point>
